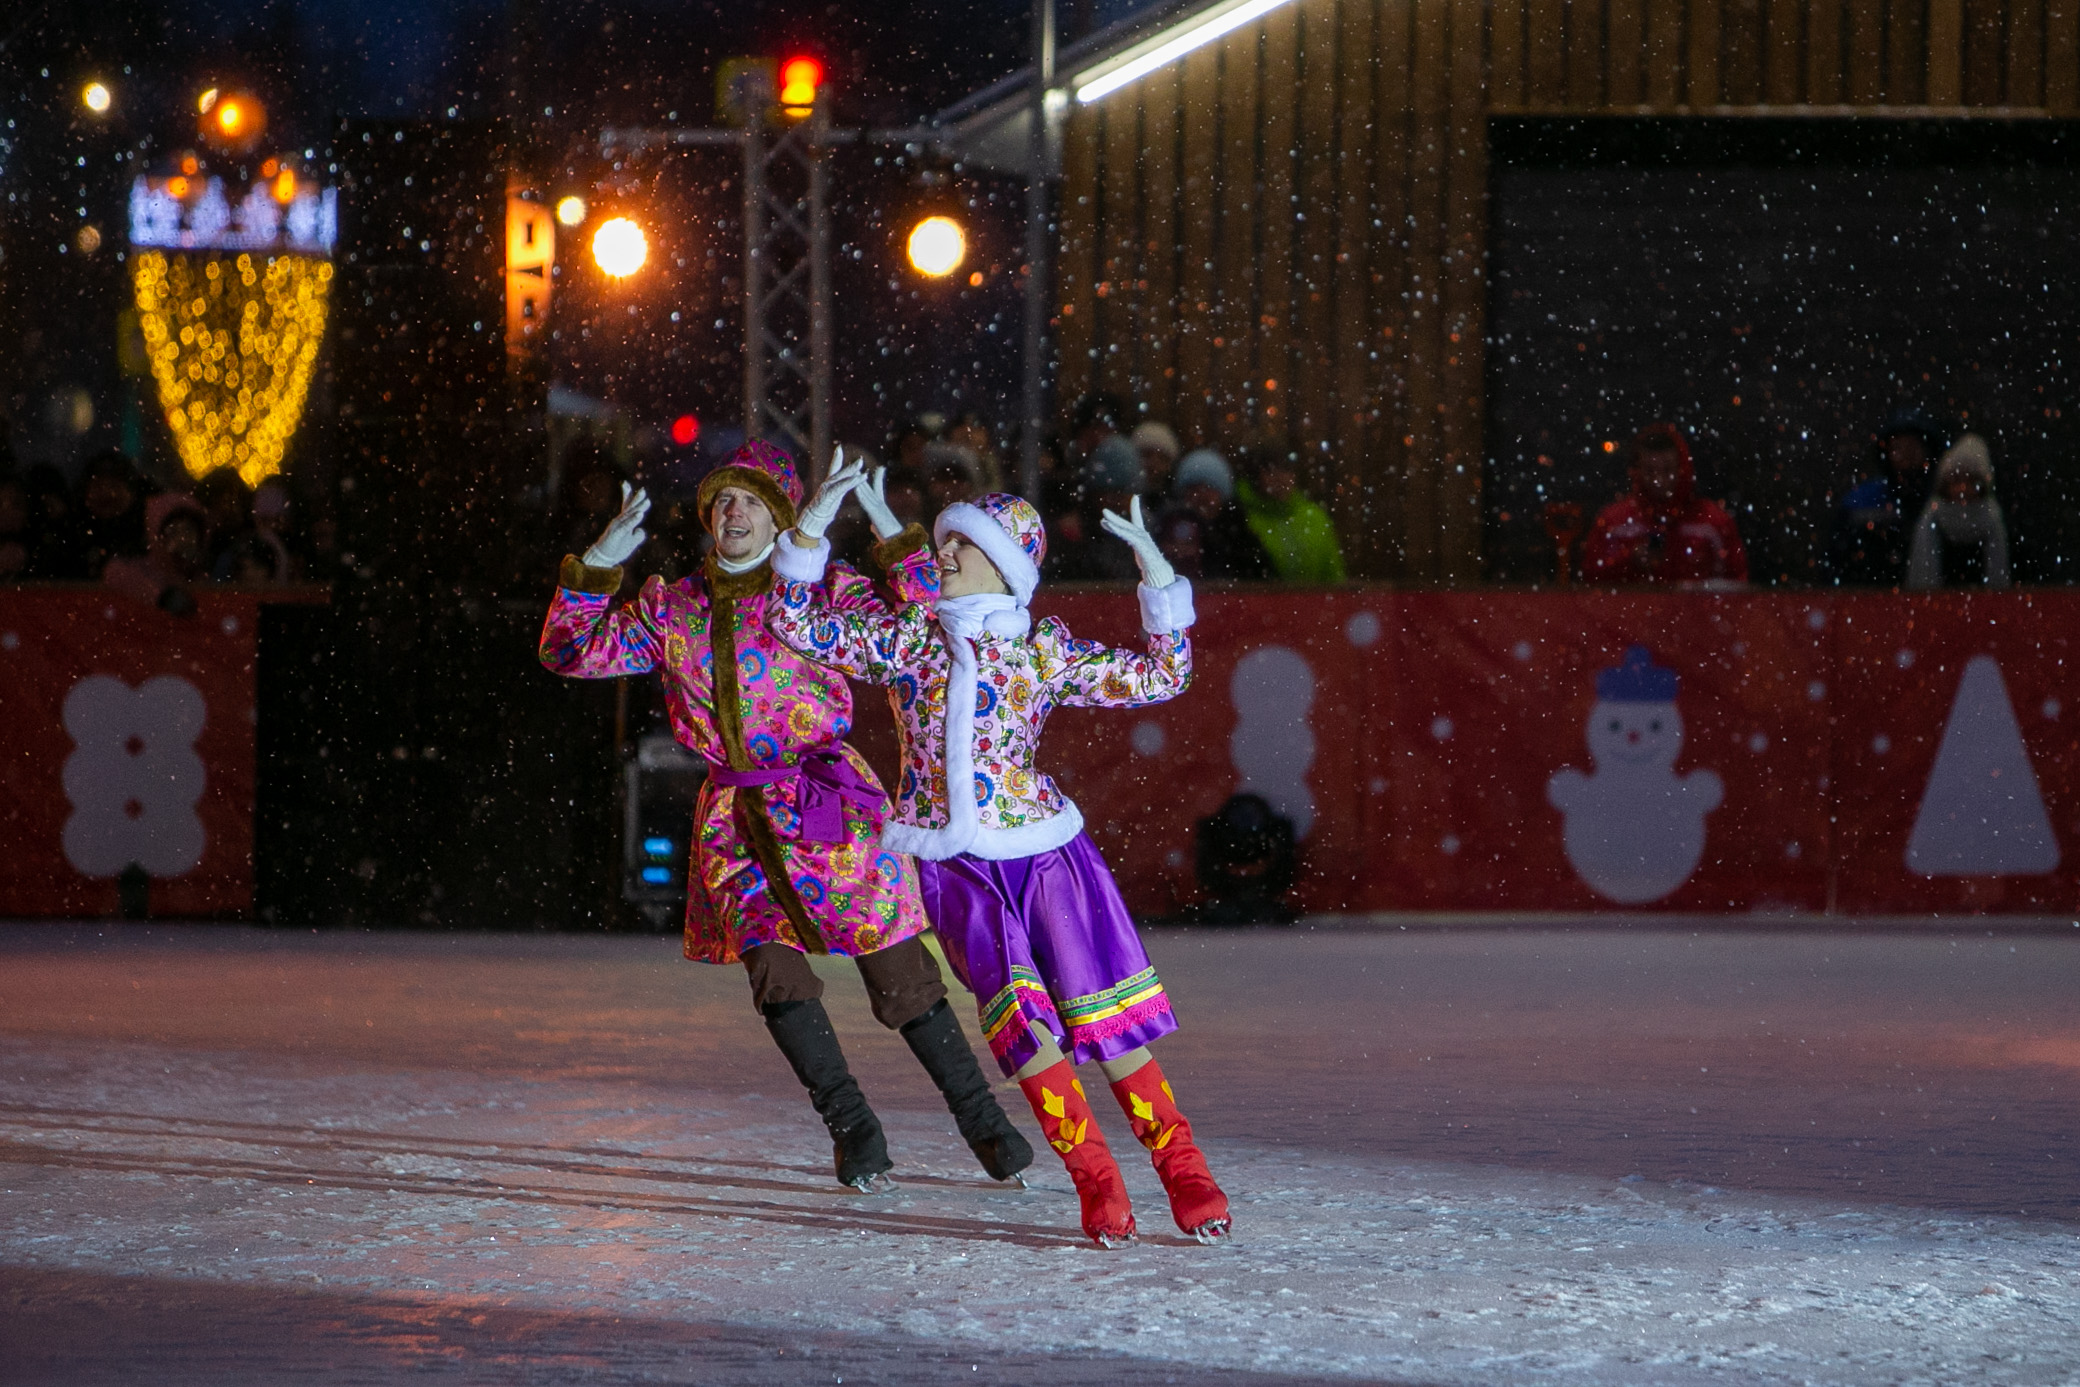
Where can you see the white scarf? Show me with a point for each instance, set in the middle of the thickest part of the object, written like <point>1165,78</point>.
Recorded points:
<point>729,565</point>
<point>963,619</point>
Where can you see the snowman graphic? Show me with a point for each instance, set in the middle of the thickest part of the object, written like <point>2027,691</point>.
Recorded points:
<point>1634,828</point>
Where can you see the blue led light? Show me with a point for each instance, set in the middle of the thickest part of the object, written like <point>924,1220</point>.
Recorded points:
<point>658,847</point>
<point>657,876</point>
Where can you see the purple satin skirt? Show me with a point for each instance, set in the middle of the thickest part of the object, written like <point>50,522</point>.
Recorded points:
<point>1045,941</point>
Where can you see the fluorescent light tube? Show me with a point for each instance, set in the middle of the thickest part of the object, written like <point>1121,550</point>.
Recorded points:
<point>1167,47</point>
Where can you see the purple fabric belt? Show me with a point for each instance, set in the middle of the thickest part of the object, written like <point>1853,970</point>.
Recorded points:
<point>827,781</point>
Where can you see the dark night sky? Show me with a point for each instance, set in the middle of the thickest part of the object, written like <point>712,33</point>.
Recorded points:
<point>595,60</point>
<point>584,64</point>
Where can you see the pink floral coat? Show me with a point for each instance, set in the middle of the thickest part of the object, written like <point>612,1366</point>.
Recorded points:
<point>1020,810</point>
<point>859,896</point>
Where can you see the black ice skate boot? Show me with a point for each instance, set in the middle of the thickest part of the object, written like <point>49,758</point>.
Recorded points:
<point>936,1039</point>
<point>803,1032</point>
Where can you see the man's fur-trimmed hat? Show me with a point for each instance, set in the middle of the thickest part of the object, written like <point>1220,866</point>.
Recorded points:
<point>764,471</point>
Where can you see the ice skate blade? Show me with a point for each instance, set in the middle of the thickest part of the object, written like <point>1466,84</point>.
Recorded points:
<point>1112,1244</point>
<point>1019,1176</point>
<point>875,1184</point>
<point>1214,1232</point>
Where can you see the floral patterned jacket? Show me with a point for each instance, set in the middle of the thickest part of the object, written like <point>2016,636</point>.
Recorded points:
<point>752,879</point>
<point>1012,809</point>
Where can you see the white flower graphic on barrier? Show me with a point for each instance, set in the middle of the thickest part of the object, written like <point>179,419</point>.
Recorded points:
<point>133,777</point>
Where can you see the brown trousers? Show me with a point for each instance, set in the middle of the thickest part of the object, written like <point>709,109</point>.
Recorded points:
<point>903,981</point>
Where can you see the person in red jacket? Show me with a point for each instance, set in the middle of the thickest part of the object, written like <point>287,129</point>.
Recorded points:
<point>1663,534</point>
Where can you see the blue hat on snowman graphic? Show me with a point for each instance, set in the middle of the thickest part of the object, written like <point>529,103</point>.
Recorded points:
<point>1634,827</point>
<point>1637,680</point>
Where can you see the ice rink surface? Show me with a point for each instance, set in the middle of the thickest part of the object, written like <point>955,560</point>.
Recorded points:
<point>1589,1156</point>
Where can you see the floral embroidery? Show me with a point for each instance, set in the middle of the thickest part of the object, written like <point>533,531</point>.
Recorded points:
<point>866,898</point>
<point>1019,682</point>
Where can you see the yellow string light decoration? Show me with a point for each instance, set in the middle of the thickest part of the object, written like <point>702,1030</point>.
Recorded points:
<point>232,342</point>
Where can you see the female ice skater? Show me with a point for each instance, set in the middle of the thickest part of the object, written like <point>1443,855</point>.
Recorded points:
<point>1028,914</point>
<point>785,852</point>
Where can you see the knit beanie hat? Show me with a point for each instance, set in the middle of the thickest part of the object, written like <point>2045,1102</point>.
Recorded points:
<point>1204,467</point>
<point>1160,437</point>
<point>1114,465</point>
<point>168,504</point>
<point>1008,530</point>
<point>764,471</point>
<point>1970,457</point>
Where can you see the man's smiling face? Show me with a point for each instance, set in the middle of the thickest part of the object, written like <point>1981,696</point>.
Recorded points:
<point>741,522</point>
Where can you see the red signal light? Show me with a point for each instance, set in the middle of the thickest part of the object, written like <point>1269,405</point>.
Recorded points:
<point>799,80</point>
<point>685,429</point>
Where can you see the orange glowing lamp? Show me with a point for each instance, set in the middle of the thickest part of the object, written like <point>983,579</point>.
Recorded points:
<point>800,80</point>
<point>234,121</point>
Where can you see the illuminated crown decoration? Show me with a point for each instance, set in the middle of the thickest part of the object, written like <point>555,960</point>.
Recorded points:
<point>232,301</point>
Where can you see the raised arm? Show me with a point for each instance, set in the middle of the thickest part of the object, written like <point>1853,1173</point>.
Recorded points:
<point>831,615</point>
<point>588,637</point>
<point>1085,674</point>
<point>585,637</point>
<point>903,552</point>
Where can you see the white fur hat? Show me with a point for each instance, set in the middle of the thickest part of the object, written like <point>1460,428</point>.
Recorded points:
<point>1006,528</point>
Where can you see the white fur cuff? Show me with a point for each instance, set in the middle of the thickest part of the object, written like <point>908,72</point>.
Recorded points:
<point>798,565</point>
<point>1164,610</point>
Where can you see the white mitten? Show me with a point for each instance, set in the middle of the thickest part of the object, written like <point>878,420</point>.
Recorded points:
<point>823,507</point>
<point>1156,571</point>
<point>624,534</point>
<point>873,499</point>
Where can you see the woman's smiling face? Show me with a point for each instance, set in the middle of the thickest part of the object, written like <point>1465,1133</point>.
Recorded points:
<point>964,570</point>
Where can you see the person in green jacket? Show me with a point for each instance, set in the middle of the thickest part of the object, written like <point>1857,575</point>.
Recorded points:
<point>1296,532</point>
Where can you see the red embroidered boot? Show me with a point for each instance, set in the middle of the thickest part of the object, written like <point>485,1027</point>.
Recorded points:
<point>1066,1122</point>
<point>1195,1201</point>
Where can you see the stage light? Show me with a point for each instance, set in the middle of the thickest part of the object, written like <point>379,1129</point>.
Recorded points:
<point>937,246</point>
<point>96,98</point>
<point>571,210</point>
<point>1168,45</point>
<point>285,187</point>
<point>685,429</point>
<point>232,342</point>
<point>233,121</point>
<point>620,247</point>
<point>800,80</point>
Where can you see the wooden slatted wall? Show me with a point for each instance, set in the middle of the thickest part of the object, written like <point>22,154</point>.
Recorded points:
<point>1281,238</point>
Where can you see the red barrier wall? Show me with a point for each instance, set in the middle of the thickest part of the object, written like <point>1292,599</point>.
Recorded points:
<point>1873,754</point>
<point>126,735</point>
<point>1418,735</point>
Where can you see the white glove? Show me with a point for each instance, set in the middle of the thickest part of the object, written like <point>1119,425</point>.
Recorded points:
<point>816,517</point>
<point>624,533</point>
<point>874,501</point>
<point>1156,571</point>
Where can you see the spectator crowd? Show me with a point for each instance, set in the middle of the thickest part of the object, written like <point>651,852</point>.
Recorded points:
<point>1240,518</point>
<point>1924,514</point>
<point>111,525</point>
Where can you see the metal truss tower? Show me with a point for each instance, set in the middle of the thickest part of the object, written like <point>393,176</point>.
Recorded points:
<point>787,286</point>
